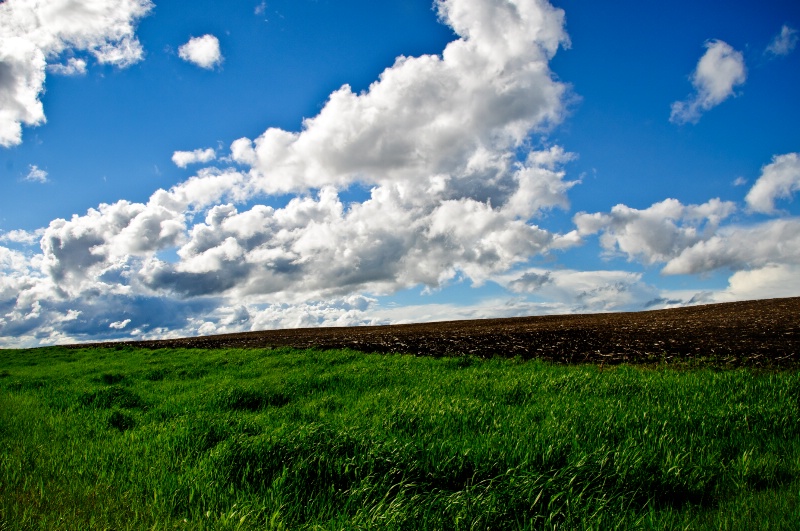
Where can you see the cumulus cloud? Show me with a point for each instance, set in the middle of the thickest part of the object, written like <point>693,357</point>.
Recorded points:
<point>778,180</point>
<point>442,144</point>
<point>36,174</point>
<point>33,34</point>
<point>658,233</point>
<point>184,158</point>
<point>22,236</point>
<point>718,72</point>
<point>473,108</point>
<point>767,282</point>
<point>741,248</point>
<point>453,190</point>
<point>689,239</point>
<point>784,42</point>
<point>454,119</point>
<point>202,51</point>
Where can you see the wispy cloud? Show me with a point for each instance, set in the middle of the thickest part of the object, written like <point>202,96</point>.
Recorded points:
<point>119,325</point>
<point>36,174</point>
<point>783,43</point>
<point>73,67</point>
<point>718,72</point>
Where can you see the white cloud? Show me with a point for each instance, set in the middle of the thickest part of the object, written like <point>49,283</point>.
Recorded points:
<point>202,51</point>
<point>718,72</point>
<point>741,248</point>
<point>784,42</point>
<point>778,180</point>
<point>184,158</point>
<point>352,310</point>
<point>691,240</point>
<point>442,143</point>
<point>22,236</point>
<point>767,282</point>
<point>73,67</point>
<point>455,118</point>
<point>36,174</point>
<point>658,233</point>
<point>584,291</point>
<point>442,146</point>
<point>33,33</point>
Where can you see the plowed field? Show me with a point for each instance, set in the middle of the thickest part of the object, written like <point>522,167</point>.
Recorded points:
<point>763,334</point>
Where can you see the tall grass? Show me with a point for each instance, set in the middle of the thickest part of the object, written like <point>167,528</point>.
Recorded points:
<point>285,439</point>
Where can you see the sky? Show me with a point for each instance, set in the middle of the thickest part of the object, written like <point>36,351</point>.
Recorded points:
<point>172,169</point>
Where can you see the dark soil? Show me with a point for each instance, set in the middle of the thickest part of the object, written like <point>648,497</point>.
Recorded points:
<point>760,334</point>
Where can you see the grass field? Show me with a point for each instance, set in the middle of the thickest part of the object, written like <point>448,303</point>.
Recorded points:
<point>283,439</point>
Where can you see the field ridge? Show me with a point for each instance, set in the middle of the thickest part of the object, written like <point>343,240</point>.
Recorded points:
<point>757,333</point>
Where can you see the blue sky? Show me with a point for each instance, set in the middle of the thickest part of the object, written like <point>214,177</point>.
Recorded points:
<point>172,169</point>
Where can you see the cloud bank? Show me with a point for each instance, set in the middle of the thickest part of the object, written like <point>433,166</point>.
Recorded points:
<point>36,34</point>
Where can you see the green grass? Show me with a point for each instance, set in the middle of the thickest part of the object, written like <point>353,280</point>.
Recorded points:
<point>284,439</point>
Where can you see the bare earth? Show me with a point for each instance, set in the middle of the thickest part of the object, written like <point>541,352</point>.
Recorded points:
<point>761,334</point>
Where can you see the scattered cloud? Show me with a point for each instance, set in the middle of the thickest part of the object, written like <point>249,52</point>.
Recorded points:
<point>448,151</point>
<point>184,158</point>
<point>119,325</point>
<point>740,248</point>
<point>202,51</point>
<point>36,174</point>
<point>690,240</point>
<point>33,34</point>
<point>454,190</point>
<point>73,67</point>
<point>739,181</point>
<point>783,43</point>
<point>718,72</point>
<point>22,236</point>
<point>658,233</point>
<point>778,180</point>
<point>584,291</point>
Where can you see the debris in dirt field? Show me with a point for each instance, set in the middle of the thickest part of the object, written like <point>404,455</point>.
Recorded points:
<point>761,334</point>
